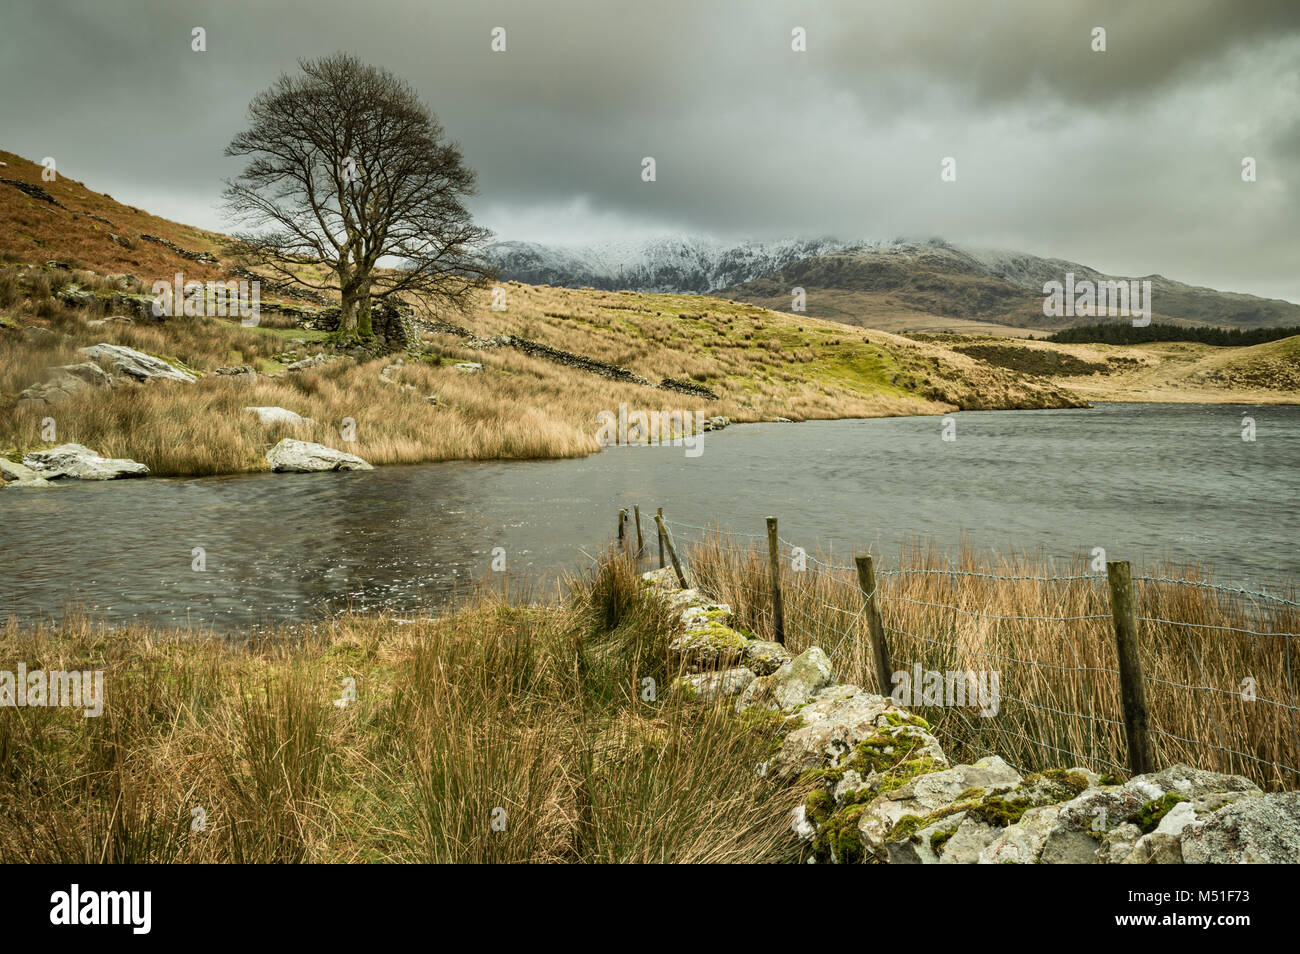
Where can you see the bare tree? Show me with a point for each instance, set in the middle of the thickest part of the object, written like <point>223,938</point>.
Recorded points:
<point>348,167</point>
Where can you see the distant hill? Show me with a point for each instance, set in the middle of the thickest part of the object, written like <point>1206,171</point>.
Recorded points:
<point>896,286</point>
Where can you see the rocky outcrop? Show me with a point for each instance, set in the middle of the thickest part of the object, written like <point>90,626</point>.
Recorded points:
<point>20,475</point>
<point>137,364</point>
<point>82,463</point>
<point>882,790</point>
<point>190,254</point>
<point>64,382</point>
<point>302,457</point>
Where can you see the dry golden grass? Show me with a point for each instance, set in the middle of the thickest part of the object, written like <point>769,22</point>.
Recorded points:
<point>1060,695</point>
<point>762,366</point>
<point>528,716</point>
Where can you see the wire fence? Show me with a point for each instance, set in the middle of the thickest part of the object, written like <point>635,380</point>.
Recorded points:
<point>1003,656</point>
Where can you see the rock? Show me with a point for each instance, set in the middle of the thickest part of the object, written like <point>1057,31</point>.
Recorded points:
<point>115,319</point>
<point>792,685</point>
<point>75,460</point>
<point>432,399</point>
<point>707,647</point>
<point>664,578</point>
<point>716,423</point>
<point>300,457</point>
<point>838,719</point>
<point>75,296</point>
<point>764,656</point>
<point>137,364</point>
<point>1083,824</point>
<point>708,686</point>
<point>237,370</point>
<point>65,382</point>
<point>468,367</point>
<point>932,792</point>
<point>1260,829</point>
<point>20,475</point>
<point>37,334</point>
<point>1022,843</point>
<point>305,363</point>
<point>278,415</point>
<point>697,617</point>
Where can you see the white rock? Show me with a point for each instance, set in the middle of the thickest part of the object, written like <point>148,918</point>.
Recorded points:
<point>75,460</point>
<point>301,457</point>
<point>137,364</point>
<point>278,415</point>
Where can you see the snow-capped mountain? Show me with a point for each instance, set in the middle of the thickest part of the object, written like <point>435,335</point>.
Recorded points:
<point>657,265</point>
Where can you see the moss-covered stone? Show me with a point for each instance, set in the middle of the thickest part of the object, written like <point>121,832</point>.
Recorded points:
<point>1149,815</point>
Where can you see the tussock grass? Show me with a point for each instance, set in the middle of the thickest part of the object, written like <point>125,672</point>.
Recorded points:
<point>761,365</point>
<point>532,716</point>
<point>1058,683</point>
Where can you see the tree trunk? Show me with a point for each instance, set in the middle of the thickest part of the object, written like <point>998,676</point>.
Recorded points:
<point>348,314</point>
<point>364,328</point>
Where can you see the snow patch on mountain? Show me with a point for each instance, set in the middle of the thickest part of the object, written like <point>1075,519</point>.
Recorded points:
<point>699,265</point>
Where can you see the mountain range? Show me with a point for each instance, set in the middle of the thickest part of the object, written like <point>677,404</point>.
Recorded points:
<point>895,286</point>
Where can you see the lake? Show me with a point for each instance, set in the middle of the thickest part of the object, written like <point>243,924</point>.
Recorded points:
<point>1144,481</point>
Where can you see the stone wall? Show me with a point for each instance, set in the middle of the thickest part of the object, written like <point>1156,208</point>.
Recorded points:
<point>881,788</point>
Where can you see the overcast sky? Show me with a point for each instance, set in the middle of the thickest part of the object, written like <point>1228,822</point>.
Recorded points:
<point>1127,160</point>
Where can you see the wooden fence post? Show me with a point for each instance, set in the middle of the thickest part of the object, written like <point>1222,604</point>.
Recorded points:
<point>1137,720</point>
<point>879,647</point>
<point>640,544</point>
<point>622,519</point>
<point>672,551</point>
<point>774,569</point>
<point>659,520</point>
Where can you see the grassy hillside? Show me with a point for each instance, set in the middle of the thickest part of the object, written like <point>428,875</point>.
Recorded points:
<point>1180,371</point>
<point>760,364</point>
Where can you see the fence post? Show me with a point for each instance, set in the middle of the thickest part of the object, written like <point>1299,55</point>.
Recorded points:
<point>1137,721</point>
<point>622,519</point>
<point>667,539</point>
<point>879,647</point>
<point>640,544</point>
<point>659,519</point>
<point>774,569</point>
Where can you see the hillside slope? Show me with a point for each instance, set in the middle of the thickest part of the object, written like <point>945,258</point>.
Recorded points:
<point>76,259</point>
<point>937,287</point>
<point>1179,371</point>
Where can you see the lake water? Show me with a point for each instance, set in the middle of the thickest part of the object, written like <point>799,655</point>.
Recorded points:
<point>1144,481</point>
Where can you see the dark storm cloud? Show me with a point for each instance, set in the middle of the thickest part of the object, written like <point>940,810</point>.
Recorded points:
<point>1128,160</point>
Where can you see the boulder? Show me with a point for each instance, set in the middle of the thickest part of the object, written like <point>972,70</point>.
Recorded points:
<point>708,686</point>
<point>707,647</point>
<point>1260,829</point>
<point>237,371</point>
<point>795,683</point>
<point>66,381</point>
<point>929,793</point>
<point>301,457</point>
<point>20,475</point>
<point>278,415</point>
<point>1083,826</point>
<point>468,367</point>
<point>837,720</point>
<point>137,364</point>
<point>764,656</point>
<point>82,463</point>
